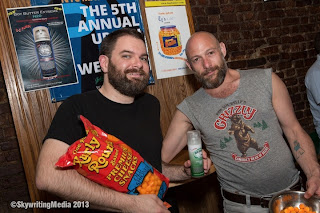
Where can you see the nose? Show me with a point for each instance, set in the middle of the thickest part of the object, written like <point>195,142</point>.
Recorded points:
<point>206,63</point>
<point>137,63</point>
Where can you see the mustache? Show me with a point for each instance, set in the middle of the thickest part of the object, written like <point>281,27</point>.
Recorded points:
<point>210,69</point>
<point>140,71</point>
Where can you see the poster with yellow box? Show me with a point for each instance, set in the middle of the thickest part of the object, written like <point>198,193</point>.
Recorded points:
<point>169,33</point>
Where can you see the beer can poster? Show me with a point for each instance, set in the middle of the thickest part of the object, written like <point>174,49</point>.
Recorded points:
<point>42,46</point>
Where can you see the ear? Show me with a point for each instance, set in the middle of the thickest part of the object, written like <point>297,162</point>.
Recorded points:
<point>104,62</point>
<point>223,49</point>
<point>188,64</point>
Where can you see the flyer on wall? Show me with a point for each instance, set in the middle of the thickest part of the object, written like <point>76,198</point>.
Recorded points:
<point>169,32</point>
<point>88,23</point>
<point>42,47</point>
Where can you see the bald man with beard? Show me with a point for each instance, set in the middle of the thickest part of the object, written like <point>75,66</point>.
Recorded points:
<point>261,100</point>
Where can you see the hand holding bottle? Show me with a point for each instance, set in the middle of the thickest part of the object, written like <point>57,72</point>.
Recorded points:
<point>206,164</point>
<point>199,162</point>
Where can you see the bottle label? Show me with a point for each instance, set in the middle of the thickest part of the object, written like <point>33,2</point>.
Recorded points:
<point>195,155</point>
<point>170,41</point>
<point>46,60</point>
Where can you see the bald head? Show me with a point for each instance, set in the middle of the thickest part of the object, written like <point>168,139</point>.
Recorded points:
<point>206,58</point>
<point>200,38</point>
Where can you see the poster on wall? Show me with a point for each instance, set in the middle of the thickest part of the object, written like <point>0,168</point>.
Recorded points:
<point>42,47</point>
<point>88,23</point>
<point>169,32</point>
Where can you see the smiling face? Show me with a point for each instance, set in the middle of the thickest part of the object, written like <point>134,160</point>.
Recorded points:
<point>127,69</point>
<point>206,58</point>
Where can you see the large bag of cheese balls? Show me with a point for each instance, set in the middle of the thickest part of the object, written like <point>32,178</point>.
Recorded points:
<point>106,160</point>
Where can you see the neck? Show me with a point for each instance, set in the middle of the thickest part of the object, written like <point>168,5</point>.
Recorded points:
<point>228,87</point>
<point>114,95</point>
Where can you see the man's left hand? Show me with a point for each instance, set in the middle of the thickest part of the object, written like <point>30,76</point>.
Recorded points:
<point>313,187</point>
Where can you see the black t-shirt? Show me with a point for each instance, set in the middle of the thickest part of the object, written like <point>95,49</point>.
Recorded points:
<point>136,124</point>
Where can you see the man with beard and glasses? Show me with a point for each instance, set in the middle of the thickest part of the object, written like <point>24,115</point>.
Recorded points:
<point>120,108</point>
<point>242,115</point>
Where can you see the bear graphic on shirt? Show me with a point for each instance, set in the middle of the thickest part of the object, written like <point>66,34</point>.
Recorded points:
<point>240,130</point>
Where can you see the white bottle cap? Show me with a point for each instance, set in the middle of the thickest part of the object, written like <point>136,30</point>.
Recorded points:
<point>193,136</point>
<point>41,33</point>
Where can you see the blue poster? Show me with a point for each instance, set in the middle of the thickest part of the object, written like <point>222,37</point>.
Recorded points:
<point>88,23</point>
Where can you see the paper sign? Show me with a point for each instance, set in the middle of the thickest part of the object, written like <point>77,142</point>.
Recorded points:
<point>169,32</point>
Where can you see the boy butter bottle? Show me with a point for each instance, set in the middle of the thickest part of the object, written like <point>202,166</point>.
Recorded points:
<point>195,153</point>
<point>45,52</point>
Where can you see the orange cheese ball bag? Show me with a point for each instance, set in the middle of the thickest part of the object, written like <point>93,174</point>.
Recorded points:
<point>106,160</point>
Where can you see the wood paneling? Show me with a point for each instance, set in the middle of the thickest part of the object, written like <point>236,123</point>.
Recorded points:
<point>33,111</point>
<point>200,196</point>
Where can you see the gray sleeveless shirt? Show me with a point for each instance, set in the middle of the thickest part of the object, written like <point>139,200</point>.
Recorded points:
<point>243,135</point>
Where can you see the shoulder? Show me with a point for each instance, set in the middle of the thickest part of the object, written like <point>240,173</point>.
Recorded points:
<point>146,98</point>
<point>313,72</point>
<point>257,72</point>
<point>197,97</point>
<point>257,80</point>
<point>82,97</point>
<point>258,76</point>
<point>80,100</point>
<point>85,95</point>
<point>278,86</point>
<point>200,92</point>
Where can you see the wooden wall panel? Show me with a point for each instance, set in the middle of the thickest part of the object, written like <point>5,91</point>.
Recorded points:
<point>33,111</point>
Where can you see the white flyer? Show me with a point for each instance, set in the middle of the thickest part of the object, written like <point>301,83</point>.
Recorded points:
<point>169,32</point>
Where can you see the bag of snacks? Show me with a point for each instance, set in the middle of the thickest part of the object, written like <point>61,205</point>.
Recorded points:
<point>106,160</point>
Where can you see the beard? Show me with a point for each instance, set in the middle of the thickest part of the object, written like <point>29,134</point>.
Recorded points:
<point>124,85</point>
<point>208,83</point>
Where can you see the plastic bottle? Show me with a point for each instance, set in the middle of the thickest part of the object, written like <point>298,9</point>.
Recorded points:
<point>195,153</point>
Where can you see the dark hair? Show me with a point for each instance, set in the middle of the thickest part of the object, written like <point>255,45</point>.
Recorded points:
<point>107,45</point>
<point>317,43</point>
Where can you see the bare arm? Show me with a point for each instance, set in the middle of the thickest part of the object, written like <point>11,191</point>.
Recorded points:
<point>69,184</point>
<point>176,137</point>
<point>300,143</point>
<point>174,142</point>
